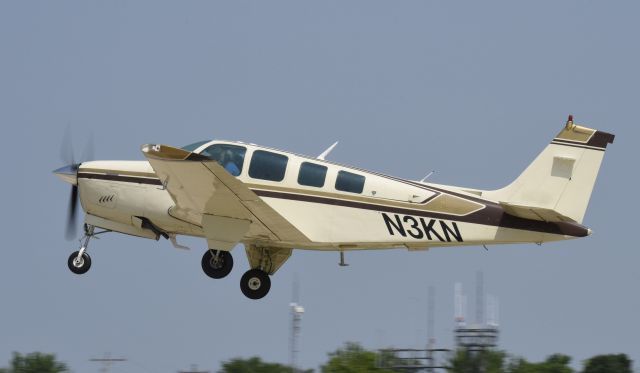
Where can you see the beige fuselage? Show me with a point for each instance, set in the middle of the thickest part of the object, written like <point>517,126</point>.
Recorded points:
<point>389,213</point>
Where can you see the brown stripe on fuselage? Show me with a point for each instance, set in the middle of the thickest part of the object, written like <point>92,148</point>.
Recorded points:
<point>438,202</point>
<point>496,216</point>
<point>122,178</point>
<point>493,214</point>
<point>117,172</point>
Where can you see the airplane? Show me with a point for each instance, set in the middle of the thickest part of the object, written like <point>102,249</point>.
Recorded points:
<point>273,201</point>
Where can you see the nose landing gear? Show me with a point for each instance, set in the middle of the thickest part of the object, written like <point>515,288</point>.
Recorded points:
<point>79,261</point>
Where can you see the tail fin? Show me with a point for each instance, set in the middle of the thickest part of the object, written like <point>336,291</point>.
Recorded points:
<point>557,185</point>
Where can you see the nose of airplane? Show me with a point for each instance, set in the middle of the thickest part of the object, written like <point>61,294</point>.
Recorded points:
<point>68,173</point>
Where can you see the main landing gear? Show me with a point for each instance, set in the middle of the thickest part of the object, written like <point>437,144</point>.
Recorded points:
<point>79,261</point>
<point>217,263</point>
<point>255,283</point>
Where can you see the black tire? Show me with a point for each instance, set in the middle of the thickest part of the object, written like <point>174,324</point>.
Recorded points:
<point>255,284</point>
<point>83,266</point>
<point>218,269</point>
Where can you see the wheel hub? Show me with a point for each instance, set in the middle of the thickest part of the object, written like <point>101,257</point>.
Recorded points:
<point>78,263</point>
<point>254,283</point>
<point>216,263</point>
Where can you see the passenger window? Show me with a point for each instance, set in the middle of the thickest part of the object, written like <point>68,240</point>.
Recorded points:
<point>231,157</point>
<point>268,166</point>
<point>348,182</point>
<point>312,174</point>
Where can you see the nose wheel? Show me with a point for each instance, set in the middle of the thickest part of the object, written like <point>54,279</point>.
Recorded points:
<point>255,283</point>
<point>79,263</point>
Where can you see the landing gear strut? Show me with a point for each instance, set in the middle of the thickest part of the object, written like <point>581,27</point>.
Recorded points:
<point>264,262</point>
<point>79,261</point>
<point>217,263</point>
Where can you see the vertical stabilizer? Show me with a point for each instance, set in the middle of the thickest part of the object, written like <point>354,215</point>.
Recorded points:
<point>557,185</point>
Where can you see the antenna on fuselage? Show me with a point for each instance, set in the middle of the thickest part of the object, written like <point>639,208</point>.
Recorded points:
<point>426,177</point>
<point>326,152</point>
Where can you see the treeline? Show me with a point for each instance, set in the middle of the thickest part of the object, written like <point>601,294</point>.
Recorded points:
<point>501,362</point>
<point>352,358</point>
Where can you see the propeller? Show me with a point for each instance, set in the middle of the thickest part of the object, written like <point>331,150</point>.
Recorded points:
<point>69,173</point>
<point>71,213</point>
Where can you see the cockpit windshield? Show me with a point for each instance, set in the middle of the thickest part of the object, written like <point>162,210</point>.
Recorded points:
<point>231,157</point>
<point>194,146</point>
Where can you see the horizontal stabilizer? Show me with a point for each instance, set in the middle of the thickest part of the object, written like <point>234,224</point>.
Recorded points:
<point>534,213</point>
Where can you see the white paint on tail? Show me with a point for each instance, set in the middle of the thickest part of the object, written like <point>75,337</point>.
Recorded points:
<point>557,185</point>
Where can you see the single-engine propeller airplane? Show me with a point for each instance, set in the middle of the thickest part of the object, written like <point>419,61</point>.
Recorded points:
<point>273,201</point>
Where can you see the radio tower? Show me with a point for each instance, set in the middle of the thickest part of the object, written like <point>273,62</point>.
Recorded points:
<point>460,301</point>
<point>296,316</point>
<point>412,360</point>
<point>431,320</point>
<point>480,298</point>
<point>483,334</point>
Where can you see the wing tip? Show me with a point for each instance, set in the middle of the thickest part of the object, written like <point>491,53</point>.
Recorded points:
<point>166,152</point>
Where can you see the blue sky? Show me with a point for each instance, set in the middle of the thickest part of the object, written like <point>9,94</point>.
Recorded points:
<point>473,90</point>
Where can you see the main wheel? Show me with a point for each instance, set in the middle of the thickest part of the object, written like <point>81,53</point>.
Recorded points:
<point>217,267</point>
<point>79,266</point>
<point>255,284</point>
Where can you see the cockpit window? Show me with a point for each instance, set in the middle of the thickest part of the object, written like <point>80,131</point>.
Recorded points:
<point>231,157</point>
<point>194,146</point>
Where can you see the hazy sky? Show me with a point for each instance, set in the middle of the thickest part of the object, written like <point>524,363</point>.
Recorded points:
<point>473,90</point>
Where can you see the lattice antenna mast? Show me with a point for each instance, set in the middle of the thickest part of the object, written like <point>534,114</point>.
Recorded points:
<point>493,311</point>
<point>431,317</point>
<point>431,321</point>
<point>459,301</point>
<point>480,307</point>
<point>296,317</point>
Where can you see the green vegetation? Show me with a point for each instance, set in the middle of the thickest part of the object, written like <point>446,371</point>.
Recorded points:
<point>481,362</point>
<point>353,358</point>
<point>500,362</point>
<point>256,365</point>
<point>619,363</point>
<point>35,362</point>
